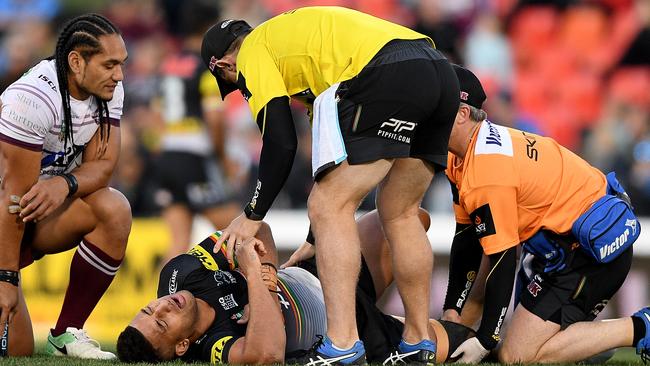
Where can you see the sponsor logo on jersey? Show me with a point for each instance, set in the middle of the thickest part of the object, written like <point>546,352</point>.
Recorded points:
<point>228,302</point>
<point>222,277</point>
<point>471,276</point>
<point>493,139</point>
<point>49,82</point>
<point>396,129</point>
<point>483,223</point>
<point>256,194</point>
<point>206,258</point>
<point>497,330</point>
<point>173,285</point>
<point>531,150</point>
<point>607,250</point>
<point>216,356</point>
<point>56,162</point>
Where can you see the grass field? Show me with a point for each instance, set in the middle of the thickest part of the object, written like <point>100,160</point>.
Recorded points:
<point>623,357</point>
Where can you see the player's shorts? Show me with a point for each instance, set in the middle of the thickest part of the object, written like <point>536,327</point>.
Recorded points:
<point>28,254</point>
<point>402,104</point>
<point>193,180</point>
<point>577,293</point>
<point>381,333</point>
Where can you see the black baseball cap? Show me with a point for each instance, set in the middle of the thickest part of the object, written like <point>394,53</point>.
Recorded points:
<point>215,43</point>
<point>471,90</point>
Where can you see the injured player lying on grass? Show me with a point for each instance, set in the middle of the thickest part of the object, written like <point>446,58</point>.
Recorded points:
<point>243,312</point>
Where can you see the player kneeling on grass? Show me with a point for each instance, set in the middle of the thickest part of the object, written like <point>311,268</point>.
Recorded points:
<point>59,144</point>
<point>576,227</point>
<point>211,310</point>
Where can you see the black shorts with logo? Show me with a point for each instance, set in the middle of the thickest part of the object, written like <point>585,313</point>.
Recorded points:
<point>402,104</point>
<point>577,293</point>
<point>190,179</point>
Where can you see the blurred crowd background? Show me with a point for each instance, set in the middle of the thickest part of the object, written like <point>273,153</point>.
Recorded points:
<point>578,71</point>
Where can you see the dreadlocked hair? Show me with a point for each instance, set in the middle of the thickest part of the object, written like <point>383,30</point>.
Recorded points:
<point>81,33</point>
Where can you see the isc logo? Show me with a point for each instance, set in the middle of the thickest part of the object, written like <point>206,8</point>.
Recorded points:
<point>399,125</point>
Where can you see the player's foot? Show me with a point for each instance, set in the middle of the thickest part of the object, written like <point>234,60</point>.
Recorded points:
<point>323,353</point>
<point>76,343</point>
<point>643,347</point>
<point>422,353</point>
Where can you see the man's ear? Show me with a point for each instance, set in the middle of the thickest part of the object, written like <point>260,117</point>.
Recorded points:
<point>182,347</point>
<point>76,62</point>
<point>225,64</point>
<point>464,111</point>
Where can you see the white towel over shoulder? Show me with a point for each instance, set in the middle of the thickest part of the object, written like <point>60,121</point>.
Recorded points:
<point>327,147</point>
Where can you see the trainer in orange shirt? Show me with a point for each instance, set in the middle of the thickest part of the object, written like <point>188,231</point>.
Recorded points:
<point>511,187</point>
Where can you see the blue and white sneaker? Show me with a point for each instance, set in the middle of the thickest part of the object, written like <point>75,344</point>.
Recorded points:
<point>643,347</point>
<point>323,353</point>
<point>422,353</point>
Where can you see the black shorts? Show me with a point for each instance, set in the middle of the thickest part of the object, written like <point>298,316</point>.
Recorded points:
<point>577,293</point>
<point>402,104</point>
<point>190,179</point>
<point>381,333</point>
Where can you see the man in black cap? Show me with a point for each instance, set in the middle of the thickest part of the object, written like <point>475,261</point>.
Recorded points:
<point>511,187</point>
<point>382,101</point>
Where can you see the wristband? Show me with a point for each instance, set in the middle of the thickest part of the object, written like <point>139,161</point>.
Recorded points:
<point>9,276</point>
<point>73,185</point>
<point>248,211</point>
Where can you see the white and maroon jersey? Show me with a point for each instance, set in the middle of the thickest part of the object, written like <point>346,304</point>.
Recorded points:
<point>32,115</point>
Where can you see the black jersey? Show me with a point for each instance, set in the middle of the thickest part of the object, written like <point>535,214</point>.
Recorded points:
<point>186,90</point>
<point>209,277</point>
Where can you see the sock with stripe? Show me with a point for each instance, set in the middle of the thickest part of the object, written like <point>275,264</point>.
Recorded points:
<point>91,272</point>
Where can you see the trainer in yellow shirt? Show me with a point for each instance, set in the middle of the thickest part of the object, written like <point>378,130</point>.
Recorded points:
<point>382,102</point>
<point>512,187</point>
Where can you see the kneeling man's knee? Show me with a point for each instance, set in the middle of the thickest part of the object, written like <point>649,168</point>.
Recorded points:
<point>111,208</point>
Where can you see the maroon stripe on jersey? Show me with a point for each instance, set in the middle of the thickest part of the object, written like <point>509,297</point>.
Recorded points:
<point>24,145</point>
<point>39,93</point>
<point>17,127</point>
<point>114,122</point>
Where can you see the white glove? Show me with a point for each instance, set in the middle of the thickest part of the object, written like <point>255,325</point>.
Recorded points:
<point>471,350</point>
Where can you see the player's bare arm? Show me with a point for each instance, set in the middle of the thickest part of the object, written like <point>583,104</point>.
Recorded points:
<point>99,161</point>
<point>265,337</point>
<point>19,169</point>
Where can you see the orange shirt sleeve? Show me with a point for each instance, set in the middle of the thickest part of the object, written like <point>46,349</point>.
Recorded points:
<point>493,211</point>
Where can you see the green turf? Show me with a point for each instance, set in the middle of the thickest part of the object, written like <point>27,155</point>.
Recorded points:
<point>623,357</point>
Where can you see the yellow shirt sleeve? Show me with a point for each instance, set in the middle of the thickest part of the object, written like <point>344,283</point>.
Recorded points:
<point>259,77</point>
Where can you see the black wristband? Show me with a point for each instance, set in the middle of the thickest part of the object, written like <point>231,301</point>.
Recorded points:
<point>9,276</point>
<point>73,185</point>
<point>248,211</point>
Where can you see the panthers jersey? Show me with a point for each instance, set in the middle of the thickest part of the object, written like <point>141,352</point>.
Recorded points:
<point>186,89</point>
<point>209,277</point>
<point>513,183</point>
<point>305,51</point>
<point>32,115</point>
